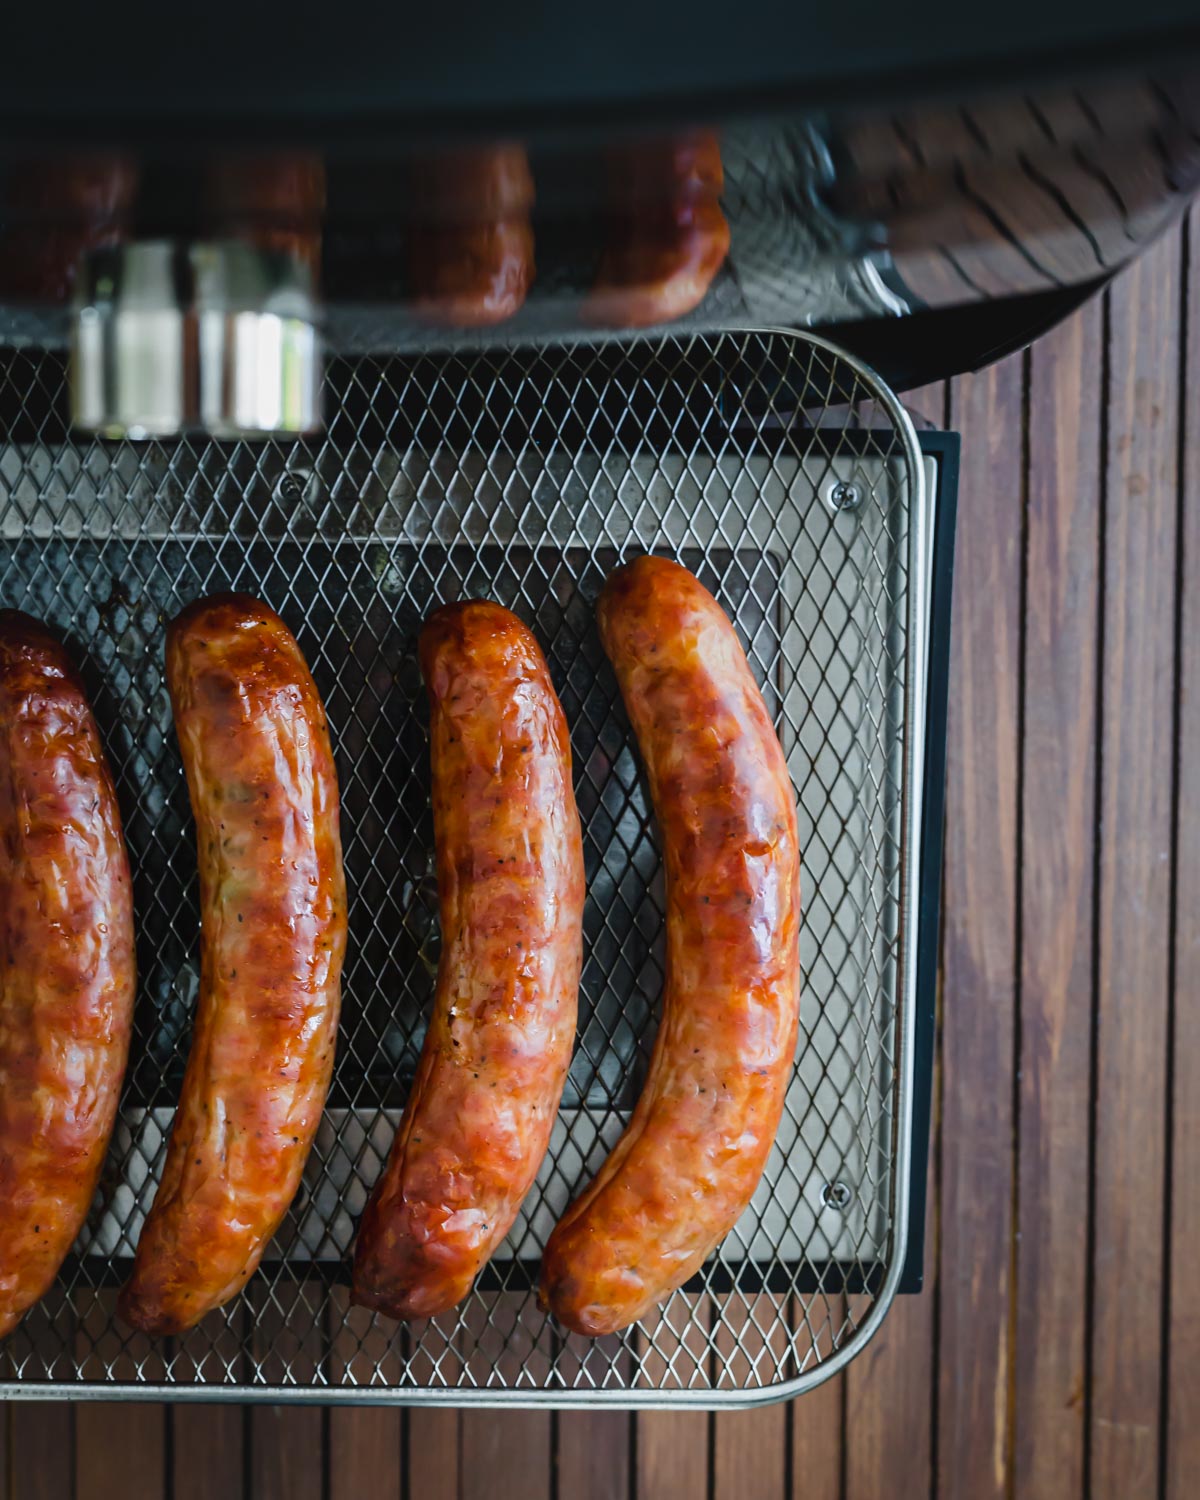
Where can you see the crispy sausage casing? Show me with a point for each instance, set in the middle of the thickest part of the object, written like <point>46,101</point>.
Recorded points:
<point>66,960</point>
<point>511,889</point>
<point>693,1153</point>
<point>273,934</point>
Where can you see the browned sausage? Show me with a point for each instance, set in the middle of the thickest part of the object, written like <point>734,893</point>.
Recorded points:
<point>471,255</point>
<point>669,237</point>
<point>66,957</point>
<point>696,1146</point>
<point>273,933</point>
<point>511,888</point>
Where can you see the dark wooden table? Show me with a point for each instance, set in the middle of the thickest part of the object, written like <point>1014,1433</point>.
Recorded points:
<point>1056,1350</point>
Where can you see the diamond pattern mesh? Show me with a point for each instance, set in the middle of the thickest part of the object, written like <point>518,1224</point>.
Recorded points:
<point>525,477</point>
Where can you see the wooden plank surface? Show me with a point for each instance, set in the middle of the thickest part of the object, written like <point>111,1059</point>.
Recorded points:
<point>1134,899</point>
<point>672,1447</point>
<point>434,1433</point>
<point>979,944</point>
<point>366,1443</point>
<point>287,1443</point>
<point>434,1437</point>
<point>672,1454</point>
<point>816,1425</point>
<point>124,1439</point>
<point>592,1448</point>
<point>593,1454</point>
<point>505,1453</point>
<point>1182,1464</point>
<point>208,1441</point>
<point>40,1450</point>
<point>749,1460</point>
<point>1058,811</point>
<point>207,1451</point>
<point>890,1392</point>
<point>41,1437</point>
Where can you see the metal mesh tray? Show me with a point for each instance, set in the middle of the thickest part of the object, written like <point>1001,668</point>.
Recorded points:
<point>523,476</point>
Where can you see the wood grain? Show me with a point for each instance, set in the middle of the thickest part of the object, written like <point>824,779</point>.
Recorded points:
<point>593,1454</point>
<point>208,1448</point>
<point>592,1447</point>
<point>817,1421</point>
<point>286,1458</point>
<point>1183,1396</point>
<point>890,1390</point>
<point>816,1441</point>
<point>1182,1457</point>
<point>1057,841</point>
<point>979,942</point>
<point>366,1454</point>
<point>125,1438</point>
<point>1134,875</point>
<point>672,1454</point>
<point>888,1426</point>
<point>41,1436</point>
<point>750,1447</point>
<point>434,1433</point>
<point>286,1442</point>
<point>41,1442</point>
<point>119,1438</point>
<point>505,1454</point>
<point>672,1446</point>
<point>433,1453</point>
<point>208,1440</point>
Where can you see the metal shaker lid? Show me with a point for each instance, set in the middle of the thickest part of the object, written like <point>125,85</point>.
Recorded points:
<point>214,337</point>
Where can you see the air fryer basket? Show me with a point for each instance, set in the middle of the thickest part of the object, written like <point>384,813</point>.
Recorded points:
<point>789,479</point>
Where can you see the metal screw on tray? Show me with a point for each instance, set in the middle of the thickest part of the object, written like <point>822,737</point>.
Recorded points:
<point>836,1195</point>
<point>844,496</point>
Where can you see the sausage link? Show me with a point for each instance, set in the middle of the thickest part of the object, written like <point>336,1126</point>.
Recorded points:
<point>471,259</point>
<point>692,1155</point>
<point>511,889</point>
<point>670,236</point>
<point>67,973</point>
<point>263,787</point>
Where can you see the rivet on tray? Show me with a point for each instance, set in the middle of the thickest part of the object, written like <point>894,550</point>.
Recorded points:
<point>836,1195</point>
<point>844,496</point>
<point>290,488</point>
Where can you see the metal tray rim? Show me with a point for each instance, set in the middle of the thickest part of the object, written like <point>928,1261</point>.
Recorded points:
<point>917,626</point>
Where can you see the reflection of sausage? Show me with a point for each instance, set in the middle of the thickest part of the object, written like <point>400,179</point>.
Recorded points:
<point>273,932</point>
<point>66,946</point>
<point>510,881</point>
<point>275,202</point>
<point>669,237</point>
<point>55,211</point>
<point>471,252</point>
<point>696,1146</point>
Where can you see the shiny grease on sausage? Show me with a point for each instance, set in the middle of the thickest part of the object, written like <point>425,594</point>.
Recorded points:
<point>67,969</point>
<point>511,891</point>
<point>263,787</point>
<point>695,1148</point>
